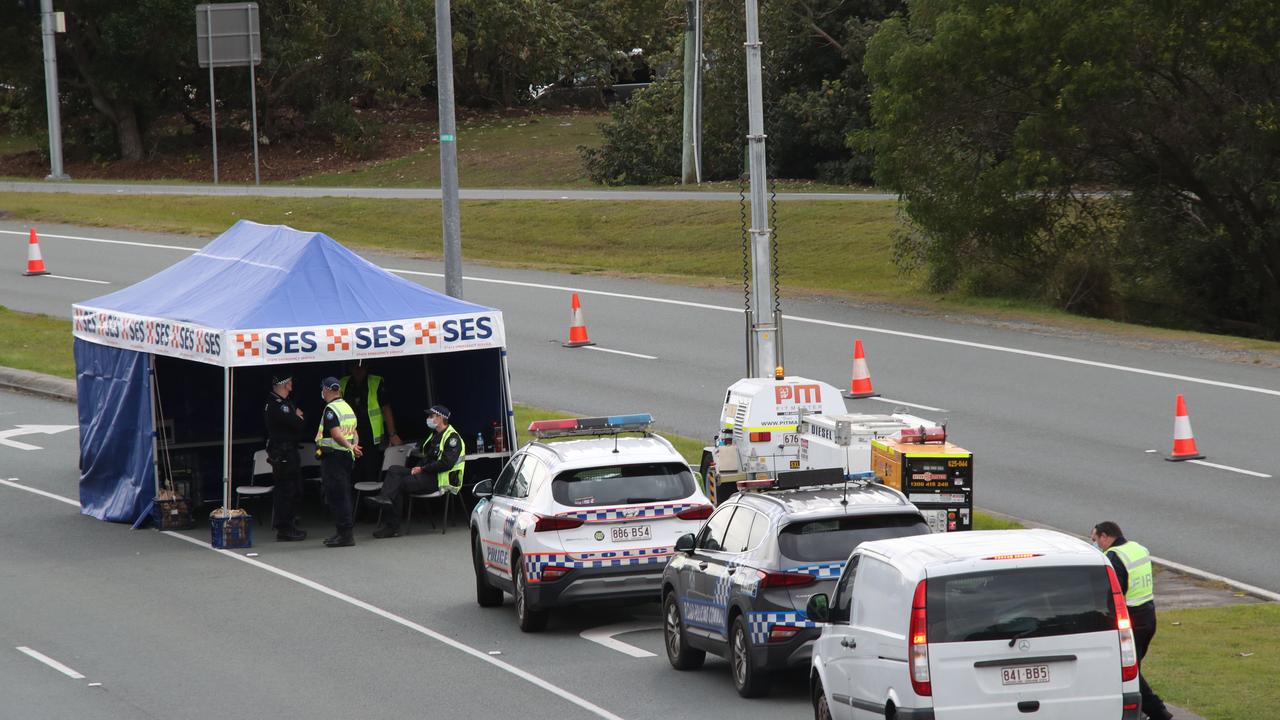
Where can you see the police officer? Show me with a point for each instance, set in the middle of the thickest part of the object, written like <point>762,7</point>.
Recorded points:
<point>441,468</point>
<point>338,445</point>
<point>284,423</point>
<point>367,395</point>
<point>1132,563</point>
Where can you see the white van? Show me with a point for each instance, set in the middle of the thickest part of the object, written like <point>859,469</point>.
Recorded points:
<point>1026,624</point>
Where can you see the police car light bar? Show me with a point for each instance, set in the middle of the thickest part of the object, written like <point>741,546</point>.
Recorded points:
<point>611,425</point>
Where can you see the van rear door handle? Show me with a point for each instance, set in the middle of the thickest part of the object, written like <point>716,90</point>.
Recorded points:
<point>849,643</point>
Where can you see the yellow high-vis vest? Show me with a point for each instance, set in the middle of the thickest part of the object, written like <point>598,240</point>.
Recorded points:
<point>346,425</point>
<point>1137,560</point>
<point>371,404</point>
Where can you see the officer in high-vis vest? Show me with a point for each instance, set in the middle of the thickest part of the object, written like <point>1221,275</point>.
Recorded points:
<point>1132,563</point>
<point>338,445</point>
<point>441,467</point>
<point>368,397</point>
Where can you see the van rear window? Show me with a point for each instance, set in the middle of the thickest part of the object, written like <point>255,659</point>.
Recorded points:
<point>832,539</point>
<point>623,485</point>
<point>1024,602</point>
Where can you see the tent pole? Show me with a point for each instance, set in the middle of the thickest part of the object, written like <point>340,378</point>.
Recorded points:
<point>509,422</point>
<point>155,434</point>
<point>226,437</point>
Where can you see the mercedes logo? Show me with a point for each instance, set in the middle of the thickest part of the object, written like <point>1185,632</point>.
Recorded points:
<point>1025,645</point>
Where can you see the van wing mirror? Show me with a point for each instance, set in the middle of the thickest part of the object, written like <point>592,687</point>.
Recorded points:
<point>685,543</point>
<point>483,489</point>
<point>817,609</point>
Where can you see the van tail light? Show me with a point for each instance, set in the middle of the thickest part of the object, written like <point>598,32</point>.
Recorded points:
<point>785,579</point>
<point>1128,645</point>
<point>760,436</point>
<point>554,522</point>
<point>918,644</point>
<point>697,512</point>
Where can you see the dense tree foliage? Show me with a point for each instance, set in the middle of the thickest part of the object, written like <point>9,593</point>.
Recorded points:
<point>1000,120</point>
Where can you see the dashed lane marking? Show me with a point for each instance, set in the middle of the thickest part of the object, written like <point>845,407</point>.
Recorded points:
<point>891,401</point>
<point>37,655</point>
<point>1228,468</point>
<point>597,348</point>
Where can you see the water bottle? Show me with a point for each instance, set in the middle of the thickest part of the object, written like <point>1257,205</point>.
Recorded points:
<point>479,442</point>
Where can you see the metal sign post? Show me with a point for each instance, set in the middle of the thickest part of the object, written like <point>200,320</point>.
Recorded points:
<point>228,35</point>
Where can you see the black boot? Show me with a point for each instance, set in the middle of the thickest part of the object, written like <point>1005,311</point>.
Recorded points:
<point>344,538</point>
<point>290,534</point>
<point>386,531</point>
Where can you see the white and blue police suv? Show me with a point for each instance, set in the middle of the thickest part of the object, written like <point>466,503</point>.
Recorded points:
<point>588,519</point>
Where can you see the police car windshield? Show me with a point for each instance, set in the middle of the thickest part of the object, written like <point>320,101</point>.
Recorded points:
<point>623,485</point>
<point>833,539</point>
<point>1027,602</point>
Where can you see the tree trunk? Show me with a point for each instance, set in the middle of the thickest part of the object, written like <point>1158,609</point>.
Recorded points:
<point>127,132</point>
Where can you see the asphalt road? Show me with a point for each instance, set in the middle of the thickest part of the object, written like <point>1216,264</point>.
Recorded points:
<point>1061,426</point>
<point>88,188</point>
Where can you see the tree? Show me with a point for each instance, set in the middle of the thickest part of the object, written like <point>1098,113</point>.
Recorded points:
<point>997,120</point>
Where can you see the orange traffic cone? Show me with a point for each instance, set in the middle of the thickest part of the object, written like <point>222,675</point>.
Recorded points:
<point>35,263</point>
<point>577,326</point>
<point>1184,442</point>
<point>860,385</point>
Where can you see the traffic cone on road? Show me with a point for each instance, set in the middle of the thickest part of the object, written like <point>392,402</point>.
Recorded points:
<point>860,385</point>
<point>1184,441</point>
<point>35,263</point>
<point>577,326</point>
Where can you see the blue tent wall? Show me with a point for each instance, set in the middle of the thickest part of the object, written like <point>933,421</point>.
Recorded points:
<point>117,470</point>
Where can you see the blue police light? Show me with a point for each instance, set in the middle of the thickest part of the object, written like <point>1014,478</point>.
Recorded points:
<point>610,425</point>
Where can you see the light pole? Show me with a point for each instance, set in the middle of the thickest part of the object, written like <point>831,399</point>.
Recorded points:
<point>47,30</point>
<point>448,153</point>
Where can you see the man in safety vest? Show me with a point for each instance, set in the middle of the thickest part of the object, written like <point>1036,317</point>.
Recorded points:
<point>1132,564</point>
<point>441,467</point>
<point>338,445</point>
<point>367,395</point>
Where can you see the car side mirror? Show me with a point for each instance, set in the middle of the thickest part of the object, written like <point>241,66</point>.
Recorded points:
<point>483,489</point>
<point>685,543</point>
<point>817,609</point>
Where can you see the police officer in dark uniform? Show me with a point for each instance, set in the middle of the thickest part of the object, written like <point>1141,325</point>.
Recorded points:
<point>284,423</point>
<point>443,461</point>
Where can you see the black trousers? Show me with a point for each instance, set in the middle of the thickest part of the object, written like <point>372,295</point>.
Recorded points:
<point>1144,629</point>
<point>335,475</point>
<point>398,485</point>
<point>286,473</point>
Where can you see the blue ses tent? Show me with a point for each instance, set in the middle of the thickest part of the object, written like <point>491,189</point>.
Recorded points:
<point>181,361</point>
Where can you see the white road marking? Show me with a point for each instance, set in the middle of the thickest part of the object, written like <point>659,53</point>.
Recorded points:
<point>604,636</point>
<point>796,318</point>
<point>1229,468</point>
<point>891,401</point>
<point>37,655</point>
<point>13,483</point>
<point>597,348</point>
<point>30,430</point>
<point>68,277</point>
<point>385,614</point>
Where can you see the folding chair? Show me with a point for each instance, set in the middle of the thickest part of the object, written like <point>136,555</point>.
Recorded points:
<point>449,494</point>
<point>253,490</point>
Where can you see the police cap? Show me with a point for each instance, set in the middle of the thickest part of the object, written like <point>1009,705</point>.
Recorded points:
<point>331,383</point>
<point>440,410</point>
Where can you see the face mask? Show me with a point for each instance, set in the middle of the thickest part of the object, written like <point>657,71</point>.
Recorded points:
<point>1097,546</point>
<point>431,423</point>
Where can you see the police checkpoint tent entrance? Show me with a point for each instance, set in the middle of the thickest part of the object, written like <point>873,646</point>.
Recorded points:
<point>190,352</point>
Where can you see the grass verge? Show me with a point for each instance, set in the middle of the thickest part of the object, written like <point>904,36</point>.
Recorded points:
<point>1217,661</point>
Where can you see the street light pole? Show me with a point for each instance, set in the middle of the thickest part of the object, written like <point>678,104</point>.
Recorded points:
<point>448,153</point>
<point>47,30</point>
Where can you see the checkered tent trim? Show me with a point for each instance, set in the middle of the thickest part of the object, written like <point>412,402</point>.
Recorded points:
<point>648,512</point>
<point>820,570</point>
<point>534,564</point>
<point>760,624</point>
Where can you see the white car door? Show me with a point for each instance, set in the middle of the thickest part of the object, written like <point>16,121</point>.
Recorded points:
<point>834,646</point>
<point>497,523</point>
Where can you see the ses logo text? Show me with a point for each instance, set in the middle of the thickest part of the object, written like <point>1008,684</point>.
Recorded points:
<point>365,338</point>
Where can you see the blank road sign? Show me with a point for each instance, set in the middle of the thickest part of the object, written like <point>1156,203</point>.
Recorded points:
<point>233,27</point>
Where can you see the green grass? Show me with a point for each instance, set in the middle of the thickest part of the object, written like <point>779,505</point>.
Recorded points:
<point>533,152</point>
<point>987,521</point>
<point>1220,662</point>
<point>36,342</point>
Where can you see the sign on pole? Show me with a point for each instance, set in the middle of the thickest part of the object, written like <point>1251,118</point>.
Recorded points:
<point>228,35</point>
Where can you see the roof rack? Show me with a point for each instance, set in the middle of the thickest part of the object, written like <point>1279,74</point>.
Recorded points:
<point>808,480</point>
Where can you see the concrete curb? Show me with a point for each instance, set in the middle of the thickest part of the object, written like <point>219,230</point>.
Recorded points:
<point>34,383</point>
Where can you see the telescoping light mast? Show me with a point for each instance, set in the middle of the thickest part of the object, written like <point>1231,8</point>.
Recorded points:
<point>764,334</point>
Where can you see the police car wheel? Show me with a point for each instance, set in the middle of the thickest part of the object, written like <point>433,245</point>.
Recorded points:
<point>821,710</point>
<point>749,680</point>
<point>486,594</point>
<point>681,656</point>
<point>530,620</point>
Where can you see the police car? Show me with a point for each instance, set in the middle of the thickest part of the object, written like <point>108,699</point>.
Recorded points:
<point>582,520</point>
<point>739,586</point>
